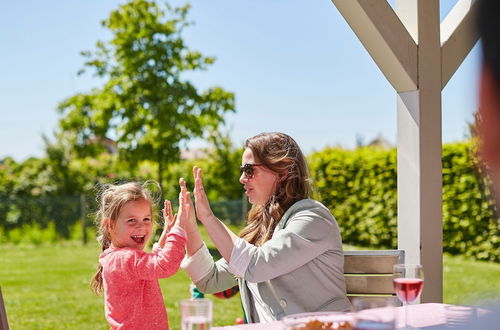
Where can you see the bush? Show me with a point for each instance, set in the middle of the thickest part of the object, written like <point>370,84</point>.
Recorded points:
<point>360,188</point>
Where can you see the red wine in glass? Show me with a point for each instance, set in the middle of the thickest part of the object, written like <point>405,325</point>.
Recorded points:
<point>408,289</point>
<point>408,284</point>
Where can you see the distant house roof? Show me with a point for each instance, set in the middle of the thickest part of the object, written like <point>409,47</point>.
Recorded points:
<point>380,142</point>
<point>109,144</point>
<point>193,153</point>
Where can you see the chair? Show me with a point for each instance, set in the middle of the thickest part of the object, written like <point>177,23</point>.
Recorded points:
<point>3,315</point>
<point>369,273</point>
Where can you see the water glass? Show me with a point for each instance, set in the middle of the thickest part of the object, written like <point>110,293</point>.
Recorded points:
<point>374,313</point>
<point>196,314</point>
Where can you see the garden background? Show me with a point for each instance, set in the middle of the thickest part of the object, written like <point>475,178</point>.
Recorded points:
<point>136,126</point>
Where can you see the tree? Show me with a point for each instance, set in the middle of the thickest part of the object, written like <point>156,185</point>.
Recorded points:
<point>145,103</point>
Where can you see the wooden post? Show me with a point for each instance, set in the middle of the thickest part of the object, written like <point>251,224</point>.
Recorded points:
<point>4,325</point>
<point>418,55</point>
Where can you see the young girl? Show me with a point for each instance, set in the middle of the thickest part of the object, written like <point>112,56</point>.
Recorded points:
<point>128,275</point>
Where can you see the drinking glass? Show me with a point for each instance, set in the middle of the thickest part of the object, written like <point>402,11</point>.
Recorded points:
<point>196,314</point>
<point>374,313</point>
<point>408,283</point>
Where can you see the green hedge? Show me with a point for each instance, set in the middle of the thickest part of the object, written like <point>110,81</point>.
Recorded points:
<point>360,188</point>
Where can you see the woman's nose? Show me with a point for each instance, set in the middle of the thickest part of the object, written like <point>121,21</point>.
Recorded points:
<point>243,178</point>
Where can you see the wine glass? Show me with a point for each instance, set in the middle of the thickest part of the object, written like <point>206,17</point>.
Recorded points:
<point>408,283</point>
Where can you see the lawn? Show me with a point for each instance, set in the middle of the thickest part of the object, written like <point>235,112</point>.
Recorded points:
<point>47,287</point>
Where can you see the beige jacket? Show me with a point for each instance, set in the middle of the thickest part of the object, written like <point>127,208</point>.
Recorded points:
<point>299,270</point>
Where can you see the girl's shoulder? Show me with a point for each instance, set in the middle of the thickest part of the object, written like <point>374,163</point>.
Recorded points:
<point>121,253</point>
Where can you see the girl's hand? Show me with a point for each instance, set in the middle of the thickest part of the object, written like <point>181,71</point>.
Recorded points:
<point>169,220</point>
<point>203,210</point>
<point>191,224</point>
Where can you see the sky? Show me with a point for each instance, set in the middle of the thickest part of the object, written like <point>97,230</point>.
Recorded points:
<point>295,66</point>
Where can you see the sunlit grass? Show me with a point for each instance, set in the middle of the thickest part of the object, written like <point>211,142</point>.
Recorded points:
<point>47,287</point>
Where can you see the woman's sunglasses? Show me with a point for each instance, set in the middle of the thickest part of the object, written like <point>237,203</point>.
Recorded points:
<point>248,170</point>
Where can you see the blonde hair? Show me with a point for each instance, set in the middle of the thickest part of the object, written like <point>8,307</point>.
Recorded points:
<point>281,154</point>
<point>112,199</point>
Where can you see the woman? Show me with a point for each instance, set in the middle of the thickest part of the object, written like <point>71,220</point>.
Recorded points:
<point>289,258</point>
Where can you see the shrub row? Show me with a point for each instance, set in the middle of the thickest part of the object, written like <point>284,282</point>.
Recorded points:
<point>360,188</point>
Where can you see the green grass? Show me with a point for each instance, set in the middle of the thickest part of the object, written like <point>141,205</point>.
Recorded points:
<point>47,287</point>
<point>470,282</point>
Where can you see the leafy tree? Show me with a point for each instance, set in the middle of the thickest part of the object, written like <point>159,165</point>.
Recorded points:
<point>220,166</point>
<point>145,102</point>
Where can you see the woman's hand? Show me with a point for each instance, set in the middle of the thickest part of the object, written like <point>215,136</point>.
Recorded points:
<point>169,220</point>
<point>191,217</point>
<point>203,210</point>
<point>222,236</point>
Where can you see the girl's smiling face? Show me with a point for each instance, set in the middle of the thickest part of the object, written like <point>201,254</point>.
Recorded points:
<point>133,226</point>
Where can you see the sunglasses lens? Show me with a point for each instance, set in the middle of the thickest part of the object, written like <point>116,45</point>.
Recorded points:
<point>247,169</point>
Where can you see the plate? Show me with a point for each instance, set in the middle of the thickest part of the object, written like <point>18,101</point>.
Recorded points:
<point>319,320</point>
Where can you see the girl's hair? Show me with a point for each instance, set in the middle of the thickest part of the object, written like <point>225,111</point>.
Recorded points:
<point>112,198</point>
<point>281,154</point>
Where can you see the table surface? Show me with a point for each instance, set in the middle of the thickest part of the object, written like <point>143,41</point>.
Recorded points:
<point>428,316</point>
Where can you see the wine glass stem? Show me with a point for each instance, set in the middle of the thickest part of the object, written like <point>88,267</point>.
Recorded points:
<point>406,315</point>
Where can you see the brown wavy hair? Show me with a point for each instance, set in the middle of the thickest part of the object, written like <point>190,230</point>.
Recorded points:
<point>112,199</point>
<point>281,154</point>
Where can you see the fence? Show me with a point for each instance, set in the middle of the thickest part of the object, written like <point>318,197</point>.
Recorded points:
<point>66,212</point>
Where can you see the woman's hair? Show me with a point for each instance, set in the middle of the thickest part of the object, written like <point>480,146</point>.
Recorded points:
<point>488,25</point>
<point>281,154</point>
<point>112,198</point>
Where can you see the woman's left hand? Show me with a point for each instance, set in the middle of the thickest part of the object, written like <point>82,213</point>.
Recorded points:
<point>203,210</point>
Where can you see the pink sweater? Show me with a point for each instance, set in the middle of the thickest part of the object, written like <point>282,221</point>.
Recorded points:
<point>132,295</point>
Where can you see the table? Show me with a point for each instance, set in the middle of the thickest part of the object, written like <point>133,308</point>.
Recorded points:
<point>426,316</point>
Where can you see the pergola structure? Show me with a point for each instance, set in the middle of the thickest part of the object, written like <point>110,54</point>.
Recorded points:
<point>418,55</point>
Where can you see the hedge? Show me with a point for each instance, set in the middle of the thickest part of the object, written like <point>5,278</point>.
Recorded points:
<point>360,188</point>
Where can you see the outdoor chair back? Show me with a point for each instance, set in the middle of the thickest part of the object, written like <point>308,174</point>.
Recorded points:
<point>369,273</point>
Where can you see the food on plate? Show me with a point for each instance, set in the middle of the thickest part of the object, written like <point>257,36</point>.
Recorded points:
<point>319,325</point>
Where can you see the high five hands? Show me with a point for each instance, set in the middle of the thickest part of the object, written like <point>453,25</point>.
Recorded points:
<point>186,217</point>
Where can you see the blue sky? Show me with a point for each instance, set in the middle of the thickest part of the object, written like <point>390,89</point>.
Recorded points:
<point>294,65</point>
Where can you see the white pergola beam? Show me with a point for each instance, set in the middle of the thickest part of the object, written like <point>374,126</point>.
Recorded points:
<point>458,36</point>
<point>418,74</point>
<point>419,151</point>
<point>385,38</point>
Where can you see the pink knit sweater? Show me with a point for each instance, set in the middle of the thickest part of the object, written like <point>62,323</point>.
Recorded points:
<point>132,295</point>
